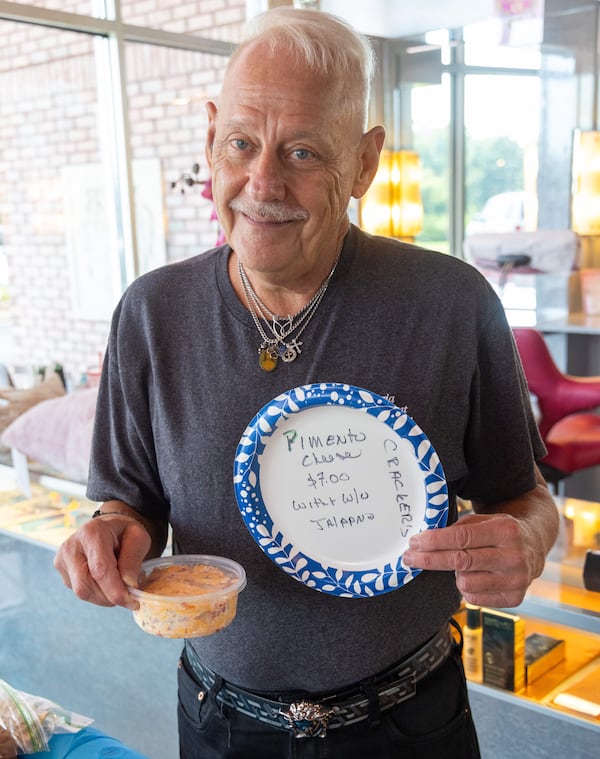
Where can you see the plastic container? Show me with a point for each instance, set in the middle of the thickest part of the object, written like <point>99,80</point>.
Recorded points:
<point>187,596</point>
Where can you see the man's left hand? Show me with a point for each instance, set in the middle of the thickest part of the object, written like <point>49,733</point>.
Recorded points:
<point>493,556</point>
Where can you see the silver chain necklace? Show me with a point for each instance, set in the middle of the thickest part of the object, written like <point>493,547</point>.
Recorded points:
<point>278,346</point>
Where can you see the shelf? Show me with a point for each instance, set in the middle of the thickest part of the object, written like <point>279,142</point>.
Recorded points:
<point>578,673</point>
<point>558,604</point>
<point>559,595</point>
<point>46,518</point>
<point>582,650</point>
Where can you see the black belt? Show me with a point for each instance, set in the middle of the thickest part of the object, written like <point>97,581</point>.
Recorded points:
<point>306,718</point>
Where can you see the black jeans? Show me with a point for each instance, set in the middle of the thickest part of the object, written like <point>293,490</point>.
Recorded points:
<point>435,723</point>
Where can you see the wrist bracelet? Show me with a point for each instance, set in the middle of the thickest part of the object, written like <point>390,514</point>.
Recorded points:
<point>99,513</point>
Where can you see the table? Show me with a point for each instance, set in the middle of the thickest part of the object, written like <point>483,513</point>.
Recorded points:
<point>574,343</point>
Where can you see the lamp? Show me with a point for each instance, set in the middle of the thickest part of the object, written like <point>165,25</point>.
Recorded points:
<point>585,205</point>
<point>392,205</point>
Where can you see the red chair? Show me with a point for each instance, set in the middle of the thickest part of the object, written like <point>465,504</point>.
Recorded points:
<point>568,425</point>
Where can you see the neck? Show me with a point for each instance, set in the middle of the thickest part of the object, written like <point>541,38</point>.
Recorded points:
<point>281,298</point>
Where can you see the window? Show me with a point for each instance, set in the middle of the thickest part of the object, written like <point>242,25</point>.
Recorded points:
<point>95,8</point>
<point>58,218</point>
<point>99,119</point>
<point>167,90</point>
<point>217,20</point>
<point>431,114</point>
<point>502,115</point>
<point>477,128</point>
<point>104,100</point>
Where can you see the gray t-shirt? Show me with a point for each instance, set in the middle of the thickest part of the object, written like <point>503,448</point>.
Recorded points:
<point>182,382</point>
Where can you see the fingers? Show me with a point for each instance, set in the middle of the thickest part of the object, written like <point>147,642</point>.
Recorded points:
<point>496,600</point>
<point>505,588</point>
<point>134,549</point>
<point>487,553</point>
<point>474,542</point>
<point>471,531</point>
<point>103,568</point>
<point>73,568</point>
<point>89,561</point>
<point>499,559</point>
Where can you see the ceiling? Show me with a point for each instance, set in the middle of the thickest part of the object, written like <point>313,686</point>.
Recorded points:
<point>405,18</point>
<point>402,18</point>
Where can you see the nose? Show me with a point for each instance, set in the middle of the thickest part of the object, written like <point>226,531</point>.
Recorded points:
<point>266,177</point>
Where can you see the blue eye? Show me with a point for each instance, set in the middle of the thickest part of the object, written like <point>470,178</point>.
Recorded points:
<point>302,154</point>
<point>240,144</point>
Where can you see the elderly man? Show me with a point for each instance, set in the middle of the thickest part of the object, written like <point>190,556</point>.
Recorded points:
<point>298,295</point>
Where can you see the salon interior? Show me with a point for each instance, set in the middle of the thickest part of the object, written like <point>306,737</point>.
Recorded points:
<point>492,154</point>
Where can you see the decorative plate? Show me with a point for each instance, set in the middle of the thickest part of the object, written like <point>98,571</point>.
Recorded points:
<point>331,481</point>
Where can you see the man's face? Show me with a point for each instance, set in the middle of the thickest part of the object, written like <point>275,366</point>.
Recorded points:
<point>284,160</point>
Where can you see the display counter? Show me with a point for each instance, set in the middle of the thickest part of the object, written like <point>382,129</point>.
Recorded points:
<point>97,662</point>
<point>557,605</point>
<point>575,324</point>
<point>90,659</point>
<point>574,342</point>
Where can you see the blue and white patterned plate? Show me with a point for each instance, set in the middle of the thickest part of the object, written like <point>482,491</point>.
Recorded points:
<point>331,481</point>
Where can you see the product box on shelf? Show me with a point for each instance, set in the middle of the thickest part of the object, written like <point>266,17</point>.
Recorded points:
<point>503,650</point>
<point>542,652</point>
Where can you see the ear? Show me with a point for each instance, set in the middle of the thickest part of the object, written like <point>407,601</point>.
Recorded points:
<point>370,149</point>
<point>211,110</point>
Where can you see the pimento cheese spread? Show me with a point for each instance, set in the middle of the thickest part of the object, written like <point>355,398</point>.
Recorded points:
<point>175,615</point>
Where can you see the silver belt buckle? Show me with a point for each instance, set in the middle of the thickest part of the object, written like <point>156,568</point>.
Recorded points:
<point>307,720</point>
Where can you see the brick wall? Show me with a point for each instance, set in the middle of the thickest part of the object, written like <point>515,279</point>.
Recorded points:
<point>50,118</point>
<point>217,19</point>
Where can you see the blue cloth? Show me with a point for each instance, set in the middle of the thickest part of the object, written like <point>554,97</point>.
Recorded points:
<point>87,744</point>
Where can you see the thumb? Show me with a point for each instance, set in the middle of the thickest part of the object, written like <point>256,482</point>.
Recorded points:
<point>135,544</point>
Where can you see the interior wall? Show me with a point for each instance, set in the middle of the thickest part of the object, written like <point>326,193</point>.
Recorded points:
<point>570,52</point>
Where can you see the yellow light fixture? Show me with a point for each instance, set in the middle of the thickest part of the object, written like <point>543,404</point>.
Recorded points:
<point>392,206</point>
<point>585,205</point>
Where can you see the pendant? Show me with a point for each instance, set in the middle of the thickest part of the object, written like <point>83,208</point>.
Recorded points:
<point>291,352</point>
<point>267,359</point>
<point>281,328</point>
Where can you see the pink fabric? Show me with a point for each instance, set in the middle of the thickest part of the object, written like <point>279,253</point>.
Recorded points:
<point>57,433</point>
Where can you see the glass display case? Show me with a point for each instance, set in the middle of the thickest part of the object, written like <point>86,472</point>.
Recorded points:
<point>89,659</point>
<point>560,708</point>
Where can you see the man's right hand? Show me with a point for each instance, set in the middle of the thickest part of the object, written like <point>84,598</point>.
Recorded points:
<point>104,555</point>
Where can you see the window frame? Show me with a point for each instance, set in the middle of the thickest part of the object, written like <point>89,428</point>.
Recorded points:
<point>114,95</point>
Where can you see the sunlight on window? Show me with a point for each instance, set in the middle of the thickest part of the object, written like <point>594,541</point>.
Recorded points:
<point>504,43</point>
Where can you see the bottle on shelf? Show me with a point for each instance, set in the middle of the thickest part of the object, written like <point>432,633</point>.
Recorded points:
<point>473,644</point>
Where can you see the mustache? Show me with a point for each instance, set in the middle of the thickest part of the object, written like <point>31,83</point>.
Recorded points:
<point>276,212</point>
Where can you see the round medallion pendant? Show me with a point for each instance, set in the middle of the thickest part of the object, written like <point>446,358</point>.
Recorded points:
<point>267,361</point>
<point>289,354</point>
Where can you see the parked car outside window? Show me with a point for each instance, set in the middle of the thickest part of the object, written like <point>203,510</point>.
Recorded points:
<point>501,213</point>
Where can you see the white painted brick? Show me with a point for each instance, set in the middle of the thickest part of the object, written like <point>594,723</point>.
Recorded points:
<point>48,117</point>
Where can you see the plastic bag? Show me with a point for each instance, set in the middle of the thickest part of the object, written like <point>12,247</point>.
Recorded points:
<point>28,722</point>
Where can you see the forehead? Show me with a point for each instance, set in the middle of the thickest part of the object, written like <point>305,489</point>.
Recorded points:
<point>261,80</point>
<point>266,62</point>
